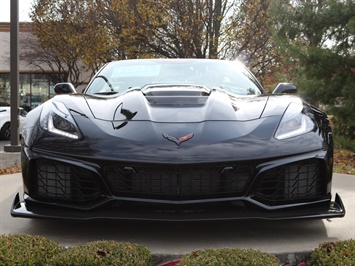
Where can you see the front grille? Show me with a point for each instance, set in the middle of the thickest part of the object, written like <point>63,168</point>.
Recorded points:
<point>290,183</point>
<point>293,182</point>
<point>178,182</point>
<point>60,181</point>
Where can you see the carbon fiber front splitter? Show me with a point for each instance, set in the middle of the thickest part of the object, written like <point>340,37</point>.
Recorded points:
<point>312,211</point>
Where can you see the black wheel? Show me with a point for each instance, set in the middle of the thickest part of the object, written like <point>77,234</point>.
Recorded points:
<point>5,132</point>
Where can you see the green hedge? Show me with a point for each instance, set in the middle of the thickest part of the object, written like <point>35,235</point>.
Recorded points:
<point>27,250</point>
<point>104,253</point>
<point>341,253</point>
<point>229,256</point>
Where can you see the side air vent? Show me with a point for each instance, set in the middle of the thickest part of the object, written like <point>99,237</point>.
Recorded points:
<point>292,182</point>
<point>59,181</point>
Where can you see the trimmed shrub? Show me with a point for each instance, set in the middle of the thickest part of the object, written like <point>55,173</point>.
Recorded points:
<point>104,253</point>
<point>229,256</point>
<point>334,253</point>
<point>27,250</point>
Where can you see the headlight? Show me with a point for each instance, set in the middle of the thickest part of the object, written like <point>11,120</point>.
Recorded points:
<point>57,119</point>
<point>294,122</point>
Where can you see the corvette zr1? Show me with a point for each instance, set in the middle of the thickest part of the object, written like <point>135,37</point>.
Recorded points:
<point>176,140</point>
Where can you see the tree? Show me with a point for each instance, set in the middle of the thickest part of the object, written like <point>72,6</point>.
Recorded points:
<point>198,28</point>
<point>80,35</point>
<point>71,37</point>
<point>320,36</point>
<point>250,38</point>
<point>168,28</point>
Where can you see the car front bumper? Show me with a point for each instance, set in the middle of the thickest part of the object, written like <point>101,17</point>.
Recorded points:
<point>316,210</point>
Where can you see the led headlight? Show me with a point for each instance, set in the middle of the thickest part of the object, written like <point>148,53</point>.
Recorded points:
<point>294,122</point>
<point>57,119</point>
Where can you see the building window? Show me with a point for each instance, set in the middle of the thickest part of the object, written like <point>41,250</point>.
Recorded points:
<point>5,88</point>
<point>35,88</point>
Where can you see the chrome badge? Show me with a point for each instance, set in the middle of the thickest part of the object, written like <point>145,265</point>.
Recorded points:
<point>180,140</point>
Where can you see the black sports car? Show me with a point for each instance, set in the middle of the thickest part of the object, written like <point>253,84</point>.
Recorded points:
<point>176,140</point>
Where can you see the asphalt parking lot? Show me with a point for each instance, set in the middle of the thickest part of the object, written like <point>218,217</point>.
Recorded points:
<point>174,238</point>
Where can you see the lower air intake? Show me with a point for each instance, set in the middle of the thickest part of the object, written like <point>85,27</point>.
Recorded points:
<point>293,182</point>
<point>60,181</point>
<point>174,182</point>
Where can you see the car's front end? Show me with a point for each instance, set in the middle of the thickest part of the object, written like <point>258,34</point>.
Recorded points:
<point>177,152</point>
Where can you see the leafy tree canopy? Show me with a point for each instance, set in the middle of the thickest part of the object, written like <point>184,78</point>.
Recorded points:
<point>320,35</point>
<point>70,36</point>
<point>82,34</point>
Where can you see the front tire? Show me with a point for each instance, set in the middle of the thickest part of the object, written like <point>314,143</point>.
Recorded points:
<point>5,131</point>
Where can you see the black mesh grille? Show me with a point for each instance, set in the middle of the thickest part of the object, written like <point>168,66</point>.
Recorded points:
<point>289,183</point>
<point>61,181</point>
<point>292,182</point>
<point>185,182</point>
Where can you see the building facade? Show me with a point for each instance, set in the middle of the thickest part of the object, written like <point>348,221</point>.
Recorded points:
<point>36,82</point>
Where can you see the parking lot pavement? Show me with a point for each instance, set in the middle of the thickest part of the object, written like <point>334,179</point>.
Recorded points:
<point>175,238</point>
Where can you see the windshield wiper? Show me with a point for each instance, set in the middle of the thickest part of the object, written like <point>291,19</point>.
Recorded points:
<point>107,82</point>
<point>106,92</point>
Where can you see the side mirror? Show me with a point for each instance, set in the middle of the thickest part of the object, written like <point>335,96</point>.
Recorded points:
<point>64,88</point>
<point>285,88</point>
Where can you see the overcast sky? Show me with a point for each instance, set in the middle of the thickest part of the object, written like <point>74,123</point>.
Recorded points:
<point>24,9</point>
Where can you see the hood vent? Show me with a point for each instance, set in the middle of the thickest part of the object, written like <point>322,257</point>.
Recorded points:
<point>176,104</point>
<point>176,94</point>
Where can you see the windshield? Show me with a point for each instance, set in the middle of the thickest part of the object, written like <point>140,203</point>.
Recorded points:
<point>120,76</point>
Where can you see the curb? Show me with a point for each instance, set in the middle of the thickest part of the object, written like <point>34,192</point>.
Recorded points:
<point>8,159</point>
<point>292,258</point>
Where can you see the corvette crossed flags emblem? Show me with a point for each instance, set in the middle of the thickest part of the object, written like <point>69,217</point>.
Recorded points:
<point>180,140</point>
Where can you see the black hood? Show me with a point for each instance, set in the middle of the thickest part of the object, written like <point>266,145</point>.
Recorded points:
<point>180,108</point>
<point>135,126</point>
